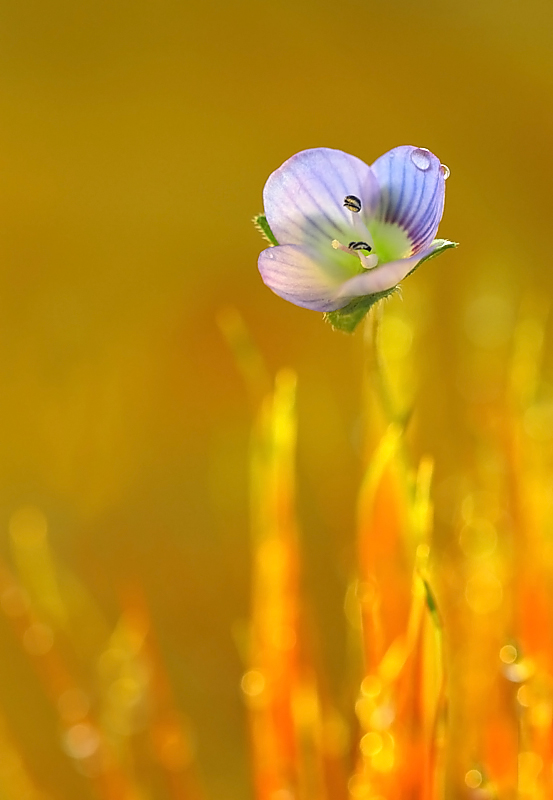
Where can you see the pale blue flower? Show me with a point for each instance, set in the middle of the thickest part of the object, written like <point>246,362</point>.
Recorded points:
<point>346,230</point>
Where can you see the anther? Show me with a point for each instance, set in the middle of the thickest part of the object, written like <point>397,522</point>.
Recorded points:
<point>359,246</point>
<point>352,203</point>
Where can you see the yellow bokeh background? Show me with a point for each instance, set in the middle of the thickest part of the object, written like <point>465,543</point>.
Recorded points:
<point>134,145</point>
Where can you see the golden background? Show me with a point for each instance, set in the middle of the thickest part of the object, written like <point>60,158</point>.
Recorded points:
<point>135,141</point>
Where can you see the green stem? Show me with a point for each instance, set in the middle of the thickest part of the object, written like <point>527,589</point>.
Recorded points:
<point>376,364</point>
<point>377,369</point>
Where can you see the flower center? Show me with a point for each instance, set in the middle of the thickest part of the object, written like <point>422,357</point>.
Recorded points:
<point>368,259</point>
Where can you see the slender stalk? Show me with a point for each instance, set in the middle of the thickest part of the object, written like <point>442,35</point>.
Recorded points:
<point>376,366</point>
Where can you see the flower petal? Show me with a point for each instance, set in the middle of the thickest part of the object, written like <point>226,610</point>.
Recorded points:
<point>383,278</point>
<point>412,192</point>
<point>303,199</point>
<point>299,275</point>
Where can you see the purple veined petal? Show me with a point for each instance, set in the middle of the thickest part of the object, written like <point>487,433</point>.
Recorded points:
<point>382,278</point>
<point>299,275</point>
<point>412,192</point>
<point>304,198</point>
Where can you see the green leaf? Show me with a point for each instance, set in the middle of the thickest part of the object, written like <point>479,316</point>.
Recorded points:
<point>260,222</point>
<point>348,318</point>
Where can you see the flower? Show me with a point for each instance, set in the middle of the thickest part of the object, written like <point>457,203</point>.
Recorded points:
<point>346,230</point>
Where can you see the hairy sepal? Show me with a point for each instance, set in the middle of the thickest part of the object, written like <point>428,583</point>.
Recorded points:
<point>348,318</point>
<point>260,222</point>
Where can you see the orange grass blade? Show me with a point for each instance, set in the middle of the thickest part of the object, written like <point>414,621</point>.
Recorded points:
<point>297,740</point>
<point>402,694</point>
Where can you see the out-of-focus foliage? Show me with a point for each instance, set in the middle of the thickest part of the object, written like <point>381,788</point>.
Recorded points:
<point>135,143</point>
<point>451,690</point>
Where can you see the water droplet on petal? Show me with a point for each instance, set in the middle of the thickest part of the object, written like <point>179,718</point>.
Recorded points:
<point>421,158</point>
<point>446,171</point>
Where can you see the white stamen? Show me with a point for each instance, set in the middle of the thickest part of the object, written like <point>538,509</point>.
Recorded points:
<point>358,225</point>
<point>370,261</point>
<point>338,246</point>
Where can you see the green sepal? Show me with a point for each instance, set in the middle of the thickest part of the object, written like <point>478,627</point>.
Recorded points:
<point>260,222</point>
<point>441,246</point>
<point>348,318</point>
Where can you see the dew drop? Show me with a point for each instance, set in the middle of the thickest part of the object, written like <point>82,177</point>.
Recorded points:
<point>446,171</point>
<point>519,671</point>
<point>508,654</point>
<point>371,686</point>
<point>253,683</point>
<point>473,778</point>
<point>81,741</point>
<point>524,696</point>
<point>371,744</point>
<point>382,717</point>
<point>421,158</point>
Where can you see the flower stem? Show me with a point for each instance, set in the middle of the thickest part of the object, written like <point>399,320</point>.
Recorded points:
<point>376,366</point>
